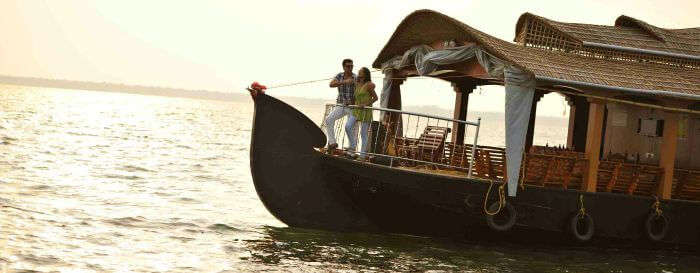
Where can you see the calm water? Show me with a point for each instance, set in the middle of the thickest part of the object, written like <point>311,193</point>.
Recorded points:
<point>95,182</point>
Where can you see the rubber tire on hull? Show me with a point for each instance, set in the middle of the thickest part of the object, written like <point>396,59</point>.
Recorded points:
<point>649,227</point>
<point>582,235</point>
<point>512,217</point>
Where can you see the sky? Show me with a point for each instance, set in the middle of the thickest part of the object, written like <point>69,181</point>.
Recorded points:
<point>225,45</point>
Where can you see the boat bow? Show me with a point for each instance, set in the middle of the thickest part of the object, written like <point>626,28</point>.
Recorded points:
<point>289,175</point>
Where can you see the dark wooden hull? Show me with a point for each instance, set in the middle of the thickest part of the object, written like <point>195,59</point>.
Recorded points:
<point>305,188</point>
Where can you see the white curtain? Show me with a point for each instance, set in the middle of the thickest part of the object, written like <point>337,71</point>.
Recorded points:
<point>519,85</point>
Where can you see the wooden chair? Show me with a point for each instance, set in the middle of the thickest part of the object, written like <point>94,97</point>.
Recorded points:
<point>428,147</point>
<point>431,143</point>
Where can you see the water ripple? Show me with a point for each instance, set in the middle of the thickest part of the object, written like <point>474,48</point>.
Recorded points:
<point>160,184</point>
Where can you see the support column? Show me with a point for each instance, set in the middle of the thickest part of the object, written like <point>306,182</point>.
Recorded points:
<point>462,92</point>
<point>393,121</point>
<point>580,124</point>
<point>531,125</point>
<point>668,154</point>
<point>572,121</point>
<point>395,97</point>
<point>593,140</point>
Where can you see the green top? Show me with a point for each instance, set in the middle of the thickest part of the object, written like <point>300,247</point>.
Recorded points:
<point>362,96</point>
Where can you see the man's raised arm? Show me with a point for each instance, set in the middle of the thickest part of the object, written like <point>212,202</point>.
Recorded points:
<point>335,83</point>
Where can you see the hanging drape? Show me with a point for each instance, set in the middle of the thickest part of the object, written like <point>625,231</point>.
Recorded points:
<point>519,86</point>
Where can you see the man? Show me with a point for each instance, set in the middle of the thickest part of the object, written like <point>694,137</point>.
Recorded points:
<point>345,82</point>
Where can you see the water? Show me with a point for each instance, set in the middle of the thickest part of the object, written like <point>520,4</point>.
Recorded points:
<point>95,182</point>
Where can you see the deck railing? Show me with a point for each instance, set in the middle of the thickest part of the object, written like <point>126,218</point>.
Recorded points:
<point>403,138</point>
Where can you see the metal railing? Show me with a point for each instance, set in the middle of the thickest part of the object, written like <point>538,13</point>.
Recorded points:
<point>403,137</point>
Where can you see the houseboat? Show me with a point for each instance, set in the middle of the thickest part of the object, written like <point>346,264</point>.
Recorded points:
<point>629,173</point>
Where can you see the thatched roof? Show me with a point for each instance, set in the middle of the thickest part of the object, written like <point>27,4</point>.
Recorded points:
<point>627,32</point>
<point>426,27</point>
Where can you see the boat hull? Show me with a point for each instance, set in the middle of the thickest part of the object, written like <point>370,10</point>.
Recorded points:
<point>306,188</point>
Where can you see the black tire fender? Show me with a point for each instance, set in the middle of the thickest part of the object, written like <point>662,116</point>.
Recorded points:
<point>510,220</point>
<point>649,226</point>
<point>585,232</point>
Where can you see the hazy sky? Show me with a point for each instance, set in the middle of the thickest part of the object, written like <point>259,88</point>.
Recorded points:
<point>224,45</point>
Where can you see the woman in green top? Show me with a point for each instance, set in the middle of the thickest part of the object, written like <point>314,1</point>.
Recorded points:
<point>364,96</point>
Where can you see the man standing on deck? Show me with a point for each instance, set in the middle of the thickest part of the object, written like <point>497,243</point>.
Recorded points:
<point>345,82</point>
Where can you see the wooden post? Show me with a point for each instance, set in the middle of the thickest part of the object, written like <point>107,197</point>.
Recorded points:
<point>580,124</point>
<point>531,125</point>
<point>394,121</point>
<point>395,97</point>
<point>462,92</point>
<point>668,154</point>
<point>570,100</point>
<point>593,141</point>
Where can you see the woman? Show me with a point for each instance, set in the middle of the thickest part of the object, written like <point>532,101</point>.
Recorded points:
<point>364,96</point>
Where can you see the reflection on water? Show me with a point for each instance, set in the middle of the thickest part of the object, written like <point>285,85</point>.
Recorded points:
<point>108,182</point>
<point>290,247</point>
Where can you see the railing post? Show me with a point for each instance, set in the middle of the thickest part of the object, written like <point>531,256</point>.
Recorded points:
<point>476,138</point>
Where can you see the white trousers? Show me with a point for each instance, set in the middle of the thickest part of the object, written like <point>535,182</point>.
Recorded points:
<point>335,114</point>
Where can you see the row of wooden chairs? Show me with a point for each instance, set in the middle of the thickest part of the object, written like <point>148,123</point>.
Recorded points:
<point>546,166</point>
<point>628,178</point>
<point>686,185</point>
<point>489,162</point>
<point>431,147</point>
<point>550,170</point>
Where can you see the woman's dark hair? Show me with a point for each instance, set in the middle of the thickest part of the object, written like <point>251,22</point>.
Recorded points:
<point>368,77</point>
<point>346,61</point>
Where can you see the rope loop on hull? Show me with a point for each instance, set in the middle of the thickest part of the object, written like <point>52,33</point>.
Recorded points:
<point>507,217</point>
<point>581,225</point>
<point>582,209</point>
<point>501,200</point>
<point>657,224</point>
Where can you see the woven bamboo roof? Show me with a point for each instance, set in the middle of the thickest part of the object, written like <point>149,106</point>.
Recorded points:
<point>627,32</point>
<point>426,26</point>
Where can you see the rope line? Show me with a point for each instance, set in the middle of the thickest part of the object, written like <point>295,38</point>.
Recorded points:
<point>582,210</point>
<point>657,207</point>
<point>383,78</point>
<point>297,83</point>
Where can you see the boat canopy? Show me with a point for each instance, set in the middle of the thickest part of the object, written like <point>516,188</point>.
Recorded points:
<point>547,54</point>
<point>520,86</point>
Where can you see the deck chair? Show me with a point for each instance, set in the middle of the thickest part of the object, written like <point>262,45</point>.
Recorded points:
<point>431,144</point>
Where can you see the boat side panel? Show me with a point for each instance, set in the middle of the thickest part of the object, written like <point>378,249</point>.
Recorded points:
<point>545,209</point>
